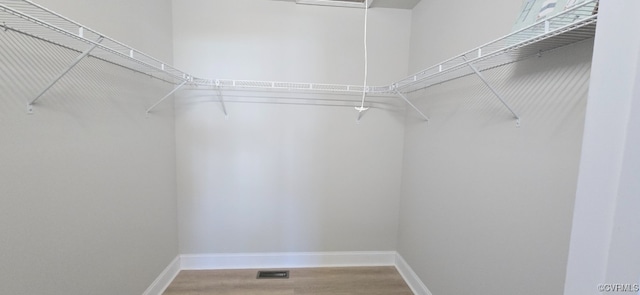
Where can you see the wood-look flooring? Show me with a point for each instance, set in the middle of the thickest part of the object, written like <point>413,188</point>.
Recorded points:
<point>302,281</point>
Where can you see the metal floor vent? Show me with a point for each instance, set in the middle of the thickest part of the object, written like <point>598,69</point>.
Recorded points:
<point>273,274</point>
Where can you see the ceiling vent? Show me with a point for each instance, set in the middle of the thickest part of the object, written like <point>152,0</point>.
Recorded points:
<point>338,3</point>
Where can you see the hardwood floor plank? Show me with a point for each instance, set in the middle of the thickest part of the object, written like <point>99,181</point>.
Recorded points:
<point>303,281</point>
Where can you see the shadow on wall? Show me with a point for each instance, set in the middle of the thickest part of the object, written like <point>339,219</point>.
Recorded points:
<point>534,92</point>
<point>29,65</point>
<point>484,203</point>
<point>87,180</point>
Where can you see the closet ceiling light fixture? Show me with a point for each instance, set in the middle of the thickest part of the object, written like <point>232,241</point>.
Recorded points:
<point>337,3</point>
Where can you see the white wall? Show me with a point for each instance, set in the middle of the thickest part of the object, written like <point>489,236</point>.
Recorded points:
<point>262,40</point>
<point>87,182</point>
<point>282,177</point>
<point>486,207</point>
<point>142,24</point>
<point>440,30</point>
<point>605,237</point>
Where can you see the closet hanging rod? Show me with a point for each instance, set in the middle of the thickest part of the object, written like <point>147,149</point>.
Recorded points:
<point>573,25</point>
<point>555,25</point>
<point>34,20</point>
<point>49,18</point>
<point>7,28</point>
<point>227,84</point>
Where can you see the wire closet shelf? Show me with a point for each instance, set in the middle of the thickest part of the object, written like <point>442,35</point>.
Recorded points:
<point>572,25</point>
<point>30,19</point>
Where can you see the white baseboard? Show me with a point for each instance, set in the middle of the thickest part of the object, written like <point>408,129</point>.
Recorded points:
<point>409,276</point>
<point>286,260</point>
<point>165,278</point>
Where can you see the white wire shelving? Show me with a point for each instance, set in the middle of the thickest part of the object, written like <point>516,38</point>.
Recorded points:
<point>30,19</point>
<point>286,86</point>
<point>571,26</point>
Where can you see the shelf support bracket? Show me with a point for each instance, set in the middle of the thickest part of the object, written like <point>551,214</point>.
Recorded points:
<point>67,70</point>
<point>361,112</point>
<point>224,107</point>
<point>495,92</point>
<point>362,109</point>
<point>167,96</point>
<point>411,104</point>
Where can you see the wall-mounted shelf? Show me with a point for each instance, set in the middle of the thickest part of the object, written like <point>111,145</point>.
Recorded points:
<point>27,18</point>
<point>571,26</point>
<point>289,86</point>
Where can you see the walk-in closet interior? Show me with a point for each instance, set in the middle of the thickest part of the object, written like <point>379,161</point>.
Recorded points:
<point>479,147</point>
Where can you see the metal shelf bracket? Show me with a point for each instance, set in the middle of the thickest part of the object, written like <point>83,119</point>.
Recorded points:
<point>362,109</point>
<point>395,88</point>
<point>495,92</point>
<point>62,74</point>
<point>361,112</point>
<point>573,25</point>
<point>167,96</point>
<point>224,107</point>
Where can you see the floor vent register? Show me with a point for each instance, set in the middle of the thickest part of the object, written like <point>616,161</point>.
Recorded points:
<point>273,274</point>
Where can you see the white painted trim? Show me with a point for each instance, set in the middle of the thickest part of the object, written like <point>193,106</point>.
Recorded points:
<point>165,278</point>
<point>409,276</point>
<point>286,260</point>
